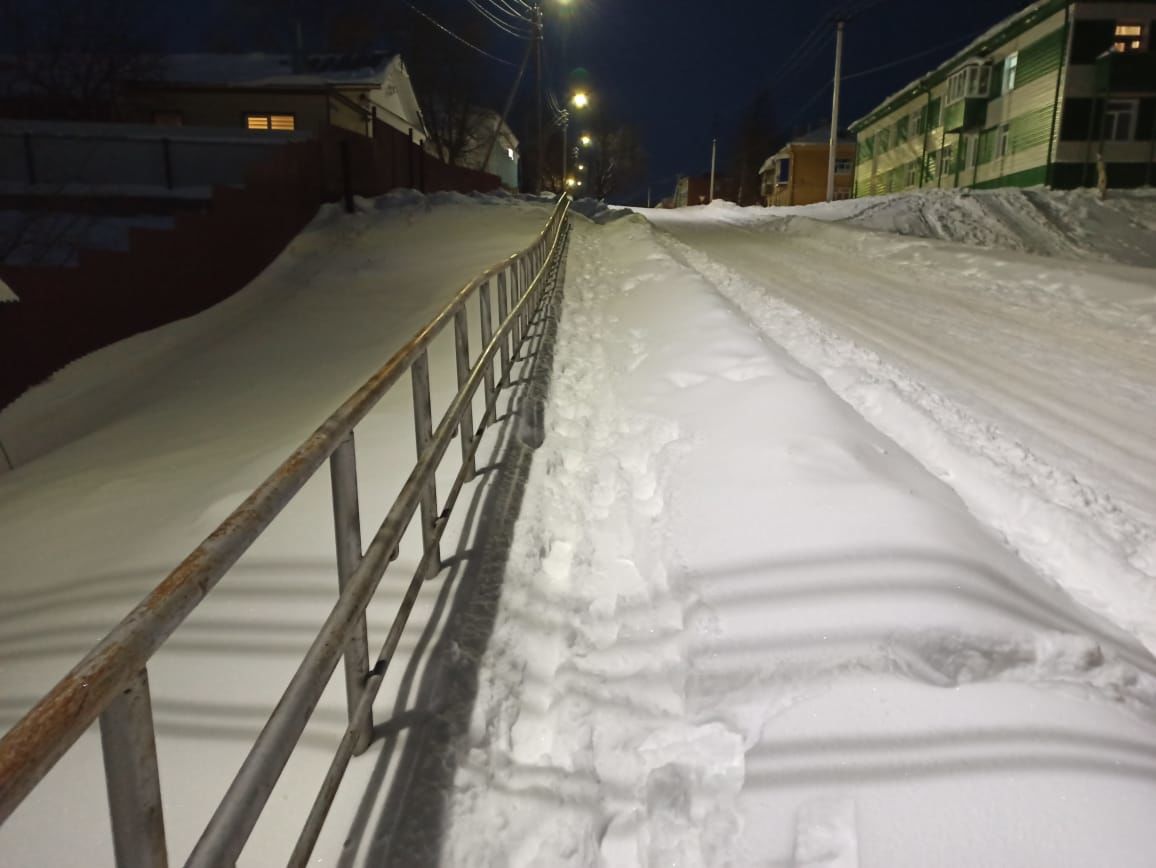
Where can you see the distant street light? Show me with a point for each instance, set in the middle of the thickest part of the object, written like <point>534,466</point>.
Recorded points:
<point>571,182</point>
<point>581,99</point>
<point>581,168</point>
<point>586,140</point>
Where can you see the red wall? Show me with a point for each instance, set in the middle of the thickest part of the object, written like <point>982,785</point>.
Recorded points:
<point>166,275</point>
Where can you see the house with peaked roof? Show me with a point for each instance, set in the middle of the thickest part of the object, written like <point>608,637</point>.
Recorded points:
<point>261,92</point>
<point>1052,95</point>
<point>797,173</point>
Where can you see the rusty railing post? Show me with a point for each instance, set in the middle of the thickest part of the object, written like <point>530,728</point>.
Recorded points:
<point>128,743</point>
<point>347,532</point>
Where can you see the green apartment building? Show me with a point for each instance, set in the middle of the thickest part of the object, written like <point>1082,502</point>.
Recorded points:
<point>1035,100</point>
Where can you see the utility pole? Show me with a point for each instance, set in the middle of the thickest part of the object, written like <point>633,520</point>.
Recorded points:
<point>713,156</point>
<point>538,100</point>
<point>565,145</point>
<point>835,112</point>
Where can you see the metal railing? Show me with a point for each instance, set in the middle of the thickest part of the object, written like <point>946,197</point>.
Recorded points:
<point>111,682</point>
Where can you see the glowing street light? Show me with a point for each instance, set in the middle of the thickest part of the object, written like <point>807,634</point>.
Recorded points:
<point>571,182</point>
<point>581,168</point>
<point>586,140</point>
<point>581,99</point>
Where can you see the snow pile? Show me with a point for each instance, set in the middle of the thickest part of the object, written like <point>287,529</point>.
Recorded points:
<point>1073,224</point>
<point>6,293</point>
<point>742,627</point>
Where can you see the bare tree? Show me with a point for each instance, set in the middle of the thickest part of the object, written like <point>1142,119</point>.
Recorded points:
<point>75,55</point>
<point>757,136</point>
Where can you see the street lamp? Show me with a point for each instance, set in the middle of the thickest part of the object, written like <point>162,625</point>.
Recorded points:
<point>581,99</point>
<point>586,140</point>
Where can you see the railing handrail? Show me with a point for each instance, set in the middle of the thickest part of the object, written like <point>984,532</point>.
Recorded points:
<point>31,748</point>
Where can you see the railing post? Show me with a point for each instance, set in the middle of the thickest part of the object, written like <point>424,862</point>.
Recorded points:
<point>462,347</point>
<point>487,336</point>
<point>130,772</point>
<point>515,297</point>
<point>503,312</point>
<point>347,532</point>
<point>423,430</point>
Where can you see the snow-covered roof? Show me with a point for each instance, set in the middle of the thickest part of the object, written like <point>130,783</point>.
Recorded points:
<point>6,293</point>
<point>970,48</point>
<point>266,70</point>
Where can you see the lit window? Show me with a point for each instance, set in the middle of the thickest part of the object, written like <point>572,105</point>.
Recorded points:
<point>510,153</point>
<point>1120,120</point>
<point>843,167</point>
<point>1129,37</point>
<point>282,123</point>
<point>1009,72</point>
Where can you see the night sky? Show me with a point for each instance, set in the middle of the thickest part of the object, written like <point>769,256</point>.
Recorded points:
<point>683,70</point>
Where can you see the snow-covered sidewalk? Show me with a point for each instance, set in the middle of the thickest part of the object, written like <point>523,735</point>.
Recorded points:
<point>741,626</point>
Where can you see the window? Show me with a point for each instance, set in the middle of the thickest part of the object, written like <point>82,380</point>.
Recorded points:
<point>284,123</point>
<point>946,164</point>
<point>968,152</point>
<point>901,127</point>
<point>918,120</point>
<point>1009,72</point>
<point>1002,142</point>
<point>933,114</point>
<point>912,176</point>
<point>969,83</point>
<point>784,174</point>
<point>843,167</point>
<point>882,141</point>
<point>1129,37</point>
<point>1120,120</point>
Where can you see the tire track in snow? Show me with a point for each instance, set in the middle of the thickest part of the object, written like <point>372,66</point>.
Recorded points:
<point>1074,535</point>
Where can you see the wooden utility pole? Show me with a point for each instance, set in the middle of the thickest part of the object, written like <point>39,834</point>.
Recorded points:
<point>713,159</point>
<point>835,112</point>
<point>538,99</point>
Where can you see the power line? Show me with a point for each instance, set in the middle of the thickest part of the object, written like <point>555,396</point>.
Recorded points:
<point>453,35</point>
<point>498,22</point>
<point>911,57</point>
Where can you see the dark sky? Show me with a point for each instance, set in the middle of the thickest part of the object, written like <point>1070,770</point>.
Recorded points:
<point>682,69</point>
<point>672,65</point>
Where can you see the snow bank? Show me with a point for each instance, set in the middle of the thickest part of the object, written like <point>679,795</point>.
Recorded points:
<point>1072,224</point>
<point>742,627</point>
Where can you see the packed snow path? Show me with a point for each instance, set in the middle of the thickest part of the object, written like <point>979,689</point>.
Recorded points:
<point>1028,384</point>
<point>740,626</point>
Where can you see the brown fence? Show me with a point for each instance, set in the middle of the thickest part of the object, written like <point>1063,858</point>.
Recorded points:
<point>65,313</point>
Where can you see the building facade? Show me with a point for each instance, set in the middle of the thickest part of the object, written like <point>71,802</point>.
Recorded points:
<point>1054,95</point>
<point>797,174</point>
<point>263,92</point>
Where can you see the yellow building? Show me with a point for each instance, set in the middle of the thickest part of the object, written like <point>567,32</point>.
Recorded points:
<point>797,174</point>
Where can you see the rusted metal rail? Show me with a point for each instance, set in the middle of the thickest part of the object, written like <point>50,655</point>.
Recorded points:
<point>111,682</point>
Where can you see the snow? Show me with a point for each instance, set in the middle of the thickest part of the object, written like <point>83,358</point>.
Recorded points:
<point>6,293</point>
<point>260,69</point>
<point>53,238</point>
<point>742,626</point>
<point>837,549</point>
<point>1025,382</point>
